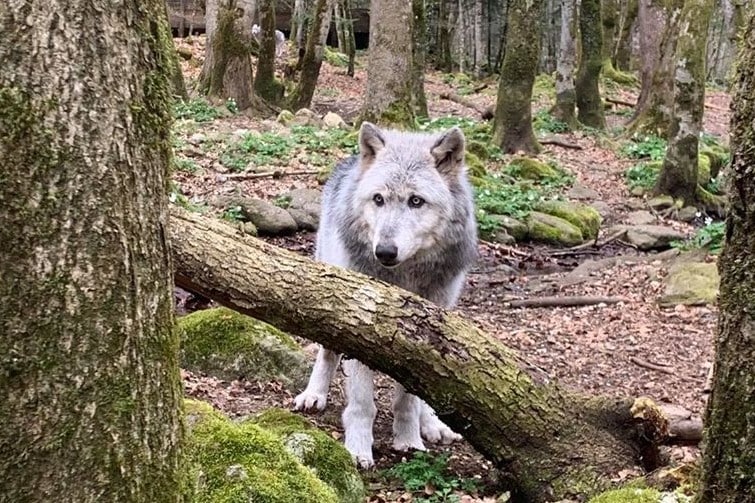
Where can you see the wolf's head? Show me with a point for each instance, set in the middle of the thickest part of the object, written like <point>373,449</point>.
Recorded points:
<point>408,191</point>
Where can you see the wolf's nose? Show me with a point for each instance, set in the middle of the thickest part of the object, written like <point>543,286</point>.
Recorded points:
<point>386,253</point>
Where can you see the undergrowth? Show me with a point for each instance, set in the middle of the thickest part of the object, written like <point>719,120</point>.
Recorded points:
<point>429,480</point>
<point>645,147</point>
<point>196,109</point>
<point>642,176</point>
<point>710,237</point>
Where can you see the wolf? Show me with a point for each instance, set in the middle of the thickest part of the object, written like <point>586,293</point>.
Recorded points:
<point>400,211</point>
<point>280,39</point>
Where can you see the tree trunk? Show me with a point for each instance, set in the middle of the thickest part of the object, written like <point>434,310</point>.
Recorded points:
<point>310,69</point>
<point>176,74</point>
<point>90,385</point>
<point>678,175</point>
<point>339,17</point>
<point>227,72</point>
<point>512,129</point>
<point>622,56</point>
<point>550,443</point>
<point>299,28</point>
<point>729,456</point>
<point>389,97</point>
<point>445,61</point>
<point>566,95</point>
<point>589,104</point>
<point>658,23</point>
<point>419,48</point>
<point>351,45</point>
<point>266,86</point>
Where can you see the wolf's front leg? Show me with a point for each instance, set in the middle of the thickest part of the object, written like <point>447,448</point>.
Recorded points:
<point>406,412</point>
<point>359,415</point>
<point>315,395</point>
<point>433,429</point>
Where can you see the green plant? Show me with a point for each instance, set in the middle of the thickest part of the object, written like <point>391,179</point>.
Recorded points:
<point>176,196</point>
<point>234,214</point>
<point>232,106</point>
<point>710,237</point>
<point>257,148</point>
<point>642,175</point>
<point>282,201</point>
<point>645,147</point>
<point>185,165</point>
<point>545,122</point>
<point>428,477</point>
<point>481,132</point>
<point>196,109</point>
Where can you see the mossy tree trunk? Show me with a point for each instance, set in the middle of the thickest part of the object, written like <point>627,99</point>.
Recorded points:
<point>319,24</point>
<point>90,385</point>
<point>566,95</point>
<point>176,74</point>
<point>512,128</point>
<point>678,175</point>
<point>351,44</point>
<point>658,25</point>
<point>389,99</point>
<point>610,17</point>
<point>299,28</point>
<point>622,57</point>
<point>729,455</point>
<point>549,443</point>
<point>266,86</point>
<point>589,104</point>
<point>419,47</point>
<point>227,71</point>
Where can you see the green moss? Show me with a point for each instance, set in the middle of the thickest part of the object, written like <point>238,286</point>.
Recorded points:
<point>479,149</point>
<point>532,169</point>
<point>475,167</point>
<point>244,462</point>
<point>628,495</point>
<point>327,457</point>
<point>703,169</point>
<point>584,217</point>
<point>691,284</point>
<point>623,78</point>
<point>225,343</point>
<point>553,230</point>
<point>336,58</point>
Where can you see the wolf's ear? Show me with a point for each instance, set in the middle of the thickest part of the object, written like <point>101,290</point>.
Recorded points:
<point>371,140</point>
<point>448,151</point>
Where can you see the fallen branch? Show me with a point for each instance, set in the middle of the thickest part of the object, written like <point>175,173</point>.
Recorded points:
<point>552,140</point>
<point>650,365</point>
<point>483,111</point>
<point>266,174</point>
<point>590,244</point>
<point>578,300</point>
<point>616,101</point>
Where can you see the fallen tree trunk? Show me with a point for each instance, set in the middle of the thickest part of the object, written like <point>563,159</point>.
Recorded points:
<point>549,443</point>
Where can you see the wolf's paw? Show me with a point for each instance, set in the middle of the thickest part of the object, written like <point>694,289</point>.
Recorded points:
<point>308,400</point>
<point>408,444</point>
<point>361,451</point>
<point>434,430</point>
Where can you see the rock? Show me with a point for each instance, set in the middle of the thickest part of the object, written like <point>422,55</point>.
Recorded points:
<point>641,217</point>
<point>268,218</point>
<point>554,230</point>
<point>244,462</point>
<point>328,458</point>
<point>197,139</point>
<point>651,237</point>
<point>532,169</point>
<point>229,345</point>
<point>475,166</point>
<point>334,121</point>
<point>304,207</point>
<point>703,170</point>
<point>718,156</point>
<point>304,220</point>
<point>518,230</point>
<point>690,283</point>
<point>335,58</point>
<point>585,218</point>
<point>306,117</point>
<point>285,117</point>
<point>184,52</point>
<point>479,149</point>
<point>603,208</point>
<point>661,202</point>
<point>687,214</point>
<point>249,228</point>
<point>500,236</point>
<point>582,193</point>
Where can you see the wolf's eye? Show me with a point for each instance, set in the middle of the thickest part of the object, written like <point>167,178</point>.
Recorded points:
<point>416,201</point>
<point>378,199</point>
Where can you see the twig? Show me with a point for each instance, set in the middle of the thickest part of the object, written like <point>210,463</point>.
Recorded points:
<point>651,366</point>
<point>579,300</point>
<point>616,101</point>
<point>465,102</point>
<point>552,140</point>
<point>479,88</point>
<point>589,244</point>
<point>509,249</point>
<point>266,174</point>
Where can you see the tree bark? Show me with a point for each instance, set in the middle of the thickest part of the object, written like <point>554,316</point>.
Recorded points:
<point>419,51</point>
<point>678,175</point>
<point>266,86</point>
<point>512,128</point>
<point>351,44</point>
<point>566,95</point>
<point>729,455</point>
<point>312,61</point>
<point>589,104</point>
<point>549,443</point>
<point>658,23</point>
<point>90,385</point>
<point>622,56</point>
<point>389,97</point>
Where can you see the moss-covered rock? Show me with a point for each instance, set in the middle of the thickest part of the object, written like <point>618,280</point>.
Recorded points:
<point>718,157</point>
<point>553,230</point>
<point>335,58</point>
<point>690,283</point>
<point>285,117</point>
<point>532,169</point>
<point>662,202</point>
<point>628,495</point>
<point>230,345</point>
<point>244,462</point>
<point>584,217</point>
<point>328,458</point>
<point>475,166</point>
<point>516,229</point>
<point>479,149</point>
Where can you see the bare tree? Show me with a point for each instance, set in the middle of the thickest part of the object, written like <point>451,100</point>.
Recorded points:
<point>589,103</point>
<point>90,388</point>
<point>266,86</point>
<point>566,95</point>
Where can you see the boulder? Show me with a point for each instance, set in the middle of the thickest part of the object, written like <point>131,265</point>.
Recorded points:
<point>690,283</point>
<point>553,230</point>
<point>585,218</point>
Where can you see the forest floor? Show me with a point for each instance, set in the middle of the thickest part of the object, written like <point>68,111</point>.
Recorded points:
<point>596,349</point>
